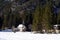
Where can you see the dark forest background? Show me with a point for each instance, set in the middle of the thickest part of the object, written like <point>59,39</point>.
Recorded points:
<point>41,14</point>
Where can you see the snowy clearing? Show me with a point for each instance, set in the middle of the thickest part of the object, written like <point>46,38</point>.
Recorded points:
<point>27,36</point>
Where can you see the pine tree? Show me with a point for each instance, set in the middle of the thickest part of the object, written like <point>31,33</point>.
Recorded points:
<point>47,16</point>
<point>42,17</point>
<point>58,18</point>
<point>37,19</point>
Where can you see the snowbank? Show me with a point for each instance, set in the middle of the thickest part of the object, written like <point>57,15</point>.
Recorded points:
<point>27,36</point>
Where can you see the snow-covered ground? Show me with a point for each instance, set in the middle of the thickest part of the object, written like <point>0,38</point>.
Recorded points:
<point>27,36</point>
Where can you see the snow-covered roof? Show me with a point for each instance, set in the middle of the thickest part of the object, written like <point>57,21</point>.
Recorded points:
<point>20,25</point>
<point>57,25</point>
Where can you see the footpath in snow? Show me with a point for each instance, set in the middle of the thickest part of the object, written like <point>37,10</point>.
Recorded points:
<point>27,36</point>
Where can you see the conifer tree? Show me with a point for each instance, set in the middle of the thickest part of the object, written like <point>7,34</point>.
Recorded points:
<point>36,26</point>
<point>47,16</point>
<point>42,17</point>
